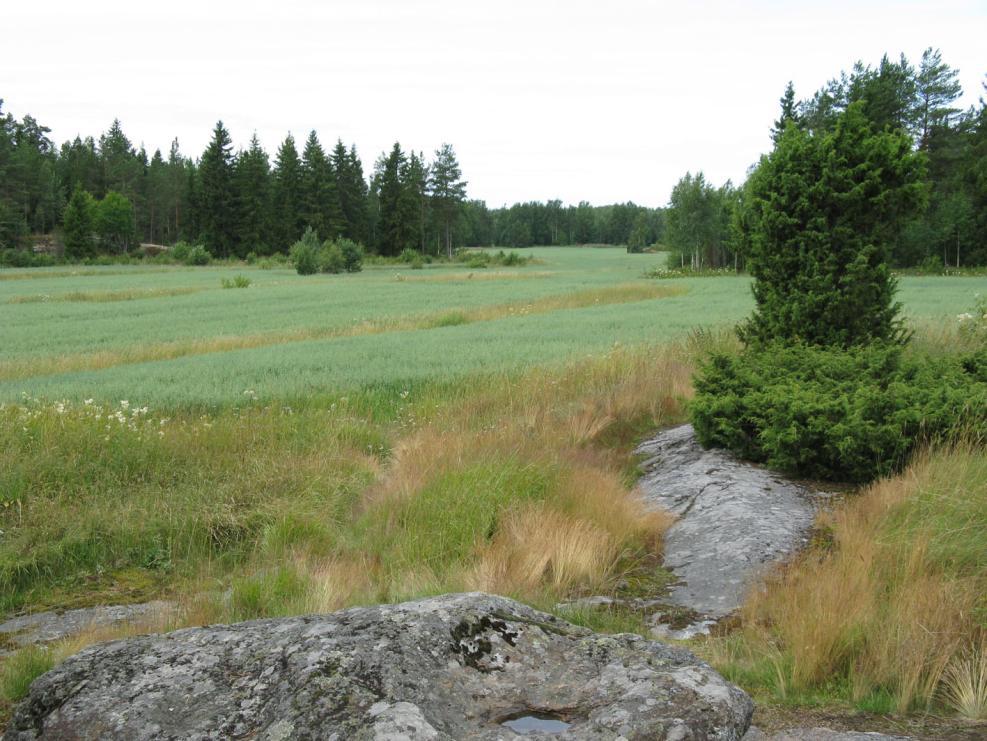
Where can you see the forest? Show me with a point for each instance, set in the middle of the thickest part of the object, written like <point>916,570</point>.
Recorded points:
<point>106,196</point>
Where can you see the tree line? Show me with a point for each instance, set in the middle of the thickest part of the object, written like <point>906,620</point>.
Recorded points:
<point>105,195</point>
<point>552,223</point>
<point>709,226</point>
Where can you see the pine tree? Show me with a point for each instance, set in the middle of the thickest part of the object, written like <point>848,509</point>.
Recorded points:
<point>936,89</point>
<point>252,185</point>
<point>217,204</point>
<point>448,191</point>
<point>288,218</point>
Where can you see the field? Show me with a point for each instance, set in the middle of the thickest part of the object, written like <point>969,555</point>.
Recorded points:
<point>169,337</point>
<point>307,443</point>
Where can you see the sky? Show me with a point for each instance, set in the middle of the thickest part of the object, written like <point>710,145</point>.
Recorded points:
<point>602,100</point>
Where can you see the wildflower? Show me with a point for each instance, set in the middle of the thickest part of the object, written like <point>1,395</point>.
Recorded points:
<point>88,402</point>
<point>124,403</point>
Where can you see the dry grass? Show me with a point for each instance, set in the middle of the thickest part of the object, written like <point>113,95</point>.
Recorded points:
<point>965,683</point>
<point>472,276</point>
<point>104,296</point>
<point>141,353</point>
<point>891,606</point>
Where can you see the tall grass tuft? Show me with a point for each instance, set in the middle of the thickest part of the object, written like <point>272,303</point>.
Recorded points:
<point>890,604</point>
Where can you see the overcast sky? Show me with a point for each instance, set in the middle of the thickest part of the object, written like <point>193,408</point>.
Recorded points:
<point>600,100</point>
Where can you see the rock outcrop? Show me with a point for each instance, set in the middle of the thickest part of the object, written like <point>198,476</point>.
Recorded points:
<point>48,627</point>
<point>734,519</point>
<point>452,667</point>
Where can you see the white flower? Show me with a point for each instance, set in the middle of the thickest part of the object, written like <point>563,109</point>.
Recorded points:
<point>88,402</point>
<point>124,403</point>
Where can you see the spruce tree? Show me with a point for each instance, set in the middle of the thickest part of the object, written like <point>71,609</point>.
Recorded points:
<point>416,182</point>
<point>252,185</point>
<point>320,196</point>
<point>288,218</point>
<point>217,204</point>
<point>396,230</point>
<point>79,225</point>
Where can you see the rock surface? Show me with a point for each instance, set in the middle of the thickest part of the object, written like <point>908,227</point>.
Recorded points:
<point>449,667</point>
<point>733,520</point>
<point>47,627</point>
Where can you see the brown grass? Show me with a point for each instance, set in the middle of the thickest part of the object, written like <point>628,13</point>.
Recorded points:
<point>880,607</point>
<point>132,294</point>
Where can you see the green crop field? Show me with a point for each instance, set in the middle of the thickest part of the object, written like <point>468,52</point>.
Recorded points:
<point>173,336</point>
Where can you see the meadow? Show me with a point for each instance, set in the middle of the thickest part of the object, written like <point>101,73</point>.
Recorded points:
<point>170,337</point>
<point>308,443</point>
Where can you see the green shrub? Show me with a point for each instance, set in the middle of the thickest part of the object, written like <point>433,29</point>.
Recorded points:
<point>305,253</point>
<point>198,255</point>
<point>932,265</point>
<point>409,256</point>
<point>829,413</point>
<point>352,255</point>
<point>331,258</point>
<point>13,258</point>
<point>180,251</point>
<point>240,281</point>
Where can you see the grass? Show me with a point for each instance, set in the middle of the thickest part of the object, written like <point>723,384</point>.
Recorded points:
<point>314,443</point>
<point>888,612</point>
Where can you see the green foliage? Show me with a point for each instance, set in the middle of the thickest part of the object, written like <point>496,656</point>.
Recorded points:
<point>115,221</point>
<point>216,200</point>
<point>352,255</point>
<point>330,258</point>
<point>409,255</point>
<point>180,251</point>
<point>198,255</point>
<point>822,213</point>
<point>240,281</point>
<point>12,258</point>
<point>305,253</point>
<point>79,225</point>
<point>698,220</point>
<point>973,323</point>
<point>841,414</point>
<point>21,669</point>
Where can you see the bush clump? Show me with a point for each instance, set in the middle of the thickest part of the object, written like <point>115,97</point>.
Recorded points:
<point>305,253</point>
<point>240,281</point>
<point>341,255</point>
<point>841,414</point>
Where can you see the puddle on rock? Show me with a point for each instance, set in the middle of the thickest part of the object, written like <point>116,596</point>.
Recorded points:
<point>534,722</point>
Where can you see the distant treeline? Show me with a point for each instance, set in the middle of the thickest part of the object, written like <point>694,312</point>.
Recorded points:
<point>551,223</point>
<point>105,196</point>
<point>706,226</point>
